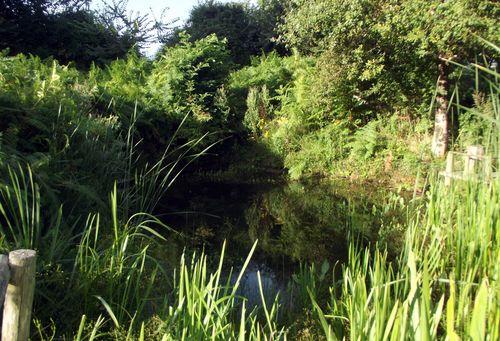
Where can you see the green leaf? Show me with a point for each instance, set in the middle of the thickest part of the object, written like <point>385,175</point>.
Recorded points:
<point>450,314</point>
<point>477,327</point>
<point>109,310</point>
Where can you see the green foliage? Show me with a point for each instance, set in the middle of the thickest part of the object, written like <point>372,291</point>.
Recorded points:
<point>252,118</point>
<point>20,209</point>
<point>186,77</point>
<point>258,110</point>
<point>270,71</point>
<point>248,29</point>
<point>479,122</point>
<point>432,26</point>
<point>269,14</point>
<point>65,30</point>
<point>126,79</point>
<point>363,68</point>
<point>304,131</point>
<point>367,140</point>
<point>29,81</point>
<point>379,56</point>
<point>48,120</point>
<point>319,152</point>
<point>381,146</point>
<point>475,123</point>
<point>294,113</point>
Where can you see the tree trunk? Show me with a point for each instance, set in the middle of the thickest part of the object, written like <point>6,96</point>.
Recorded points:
<point>441,119</point>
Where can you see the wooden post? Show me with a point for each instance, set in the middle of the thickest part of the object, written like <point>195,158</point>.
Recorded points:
<point>474,154</point>
<point>4,281</point>
<point>449,169</point>
<point>19,298</point>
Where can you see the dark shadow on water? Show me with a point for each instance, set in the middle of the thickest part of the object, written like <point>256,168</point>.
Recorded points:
<point>299,222</point>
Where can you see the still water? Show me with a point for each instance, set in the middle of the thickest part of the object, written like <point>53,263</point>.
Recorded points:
<point>294,223</point>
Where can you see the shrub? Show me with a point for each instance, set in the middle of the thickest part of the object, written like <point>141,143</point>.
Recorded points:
<point>126,79</point>
<point>249,29</point>
<point>50,121</point>
<point>271,70</point>
<point>258,111</point>
<point>186,77</point>
<point>320,151</point>
<point>367,141</point>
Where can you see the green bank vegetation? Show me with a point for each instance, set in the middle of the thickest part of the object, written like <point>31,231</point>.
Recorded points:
<point>368,91</point>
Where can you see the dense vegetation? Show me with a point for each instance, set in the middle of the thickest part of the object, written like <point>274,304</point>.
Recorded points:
<point>93,135</point>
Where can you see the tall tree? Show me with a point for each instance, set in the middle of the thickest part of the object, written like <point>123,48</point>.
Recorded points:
<point>364,66</point>
<point>377,55</point>
<point>69,31</point>
<point>269,15</point>
<point>249,29</point>
<point>448,30</point>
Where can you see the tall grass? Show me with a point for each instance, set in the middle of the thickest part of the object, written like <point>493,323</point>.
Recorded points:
<point>202,305</point>
<point>22,219</point>
<point>444,284</point>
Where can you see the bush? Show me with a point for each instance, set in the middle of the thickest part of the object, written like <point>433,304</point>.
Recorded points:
<point>69,31</point>
<point>320,151</point>
<point>126,79</point>
<point>258,111</point>
<point>249,29</point>
<point>270,70</point>
<point>186,77</point>
<point>186,80</point>
<point>367,141</point>
<point>49,121</point>
<point>377,56</point>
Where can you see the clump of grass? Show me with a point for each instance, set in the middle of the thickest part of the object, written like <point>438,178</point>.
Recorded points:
<point>444,284</point>
<point>202,305</point>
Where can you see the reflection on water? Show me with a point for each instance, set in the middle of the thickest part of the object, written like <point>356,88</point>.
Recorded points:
<point>307,222</point>
<point>270,283</point>
<point>294,223</point>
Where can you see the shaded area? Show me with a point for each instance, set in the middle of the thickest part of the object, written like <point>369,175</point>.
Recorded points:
<point>296,222</point>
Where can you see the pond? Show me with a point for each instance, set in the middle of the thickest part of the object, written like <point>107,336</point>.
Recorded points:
<point>295,223</point>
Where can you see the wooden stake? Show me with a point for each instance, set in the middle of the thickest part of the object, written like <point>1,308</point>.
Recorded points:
<point>474,154</point>
<point>4,281</point>
<point>19,298</point>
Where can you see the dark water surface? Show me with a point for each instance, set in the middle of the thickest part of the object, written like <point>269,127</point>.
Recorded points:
<point>298,222</point>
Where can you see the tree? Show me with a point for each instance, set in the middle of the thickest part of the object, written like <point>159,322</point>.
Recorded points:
<point>385,55</point>
<point>269,15</point>
<point>249,30</point>
<point>363,67</point>
<point>69,31</point>
<point>446,30</point>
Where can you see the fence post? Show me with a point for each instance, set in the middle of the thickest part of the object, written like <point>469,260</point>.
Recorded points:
<point>4,281</point>
<point>448,173</point>
<point>19,296</point>
<point>474,154</point>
